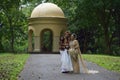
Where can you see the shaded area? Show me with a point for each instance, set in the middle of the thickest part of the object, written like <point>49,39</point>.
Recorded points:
<point>46,40</point>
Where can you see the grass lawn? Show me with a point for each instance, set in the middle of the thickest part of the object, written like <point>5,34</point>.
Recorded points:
<point>109,62</point>
<point>11,65</point>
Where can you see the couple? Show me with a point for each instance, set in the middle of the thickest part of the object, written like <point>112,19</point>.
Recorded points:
<point>69,50</point>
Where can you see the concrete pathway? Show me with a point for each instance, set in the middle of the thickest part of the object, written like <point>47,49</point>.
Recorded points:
<point>47,67</point>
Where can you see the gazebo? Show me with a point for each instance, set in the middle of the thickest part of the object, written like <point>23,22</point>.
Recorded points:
<point>47,19</point>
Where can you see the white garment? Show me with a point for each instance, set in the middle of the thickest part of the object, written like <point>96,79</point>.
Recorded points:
<point>66,61</point>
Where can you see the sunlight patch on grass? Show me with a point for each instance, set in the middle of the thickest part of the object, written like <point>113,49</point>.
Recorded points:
<point>108,62</point>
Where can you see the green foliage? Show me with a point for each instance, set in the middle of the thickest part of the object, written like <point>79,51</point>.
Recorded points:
<point>108,62</point>
<point>14,23</point>
<point>47,40</point>
<point>11,65</point>
<point>96,22</point>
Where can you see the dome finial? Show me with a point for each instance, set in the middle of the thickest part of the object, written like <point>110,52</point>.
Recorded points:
<point>43,1</point>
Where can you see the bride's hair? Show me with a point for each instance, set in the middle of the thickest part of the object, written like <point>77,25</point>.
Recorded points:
<point>75,36</point>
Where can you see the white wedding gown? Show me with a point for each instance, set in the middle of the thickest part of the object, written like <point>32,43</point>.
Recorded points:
<point>66,64</point>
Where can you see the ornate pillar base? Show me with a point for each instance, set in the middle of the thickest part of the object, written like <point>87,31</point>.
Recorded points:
<point>36,50</point>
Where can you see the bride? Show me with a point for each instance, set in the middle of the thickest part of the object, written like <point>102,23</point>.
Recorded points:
<point>75,53</point>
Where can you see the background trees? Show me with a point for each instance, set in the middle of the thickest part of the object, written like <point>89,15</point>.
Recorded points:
<point>14,25</point>
<point>96,22</point>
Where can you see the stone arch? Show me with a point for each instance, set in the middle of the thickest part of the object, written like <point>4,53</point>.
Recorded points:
<point>46,17</point>
<point>30,40</point>
<point>46,40</point>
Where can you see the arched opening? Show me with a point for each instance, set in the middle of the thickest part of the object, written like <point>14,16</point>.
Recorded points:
<point>46,40</point>
<point>30,41</point>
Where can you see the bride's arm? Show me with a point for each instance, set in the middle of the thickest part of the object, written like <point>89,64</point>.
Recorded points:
<point>76,46</point>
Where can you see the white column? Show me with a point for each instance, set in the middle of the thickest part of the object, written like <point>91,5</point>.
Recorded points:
<point>55,43</point>
<point>30,48</point>
<point>36,44</point>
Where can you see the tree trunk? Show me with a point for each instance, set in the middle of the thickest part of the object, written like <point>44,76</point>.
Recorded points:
<point>107,40</point>
<point>12,36</point>
<point>1,46</point>
<point>85,43</point>
<point>105,20</point>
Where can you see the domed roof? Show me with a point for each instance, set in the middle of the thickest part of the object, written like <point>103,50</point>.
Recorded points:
<point>47,10</point>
